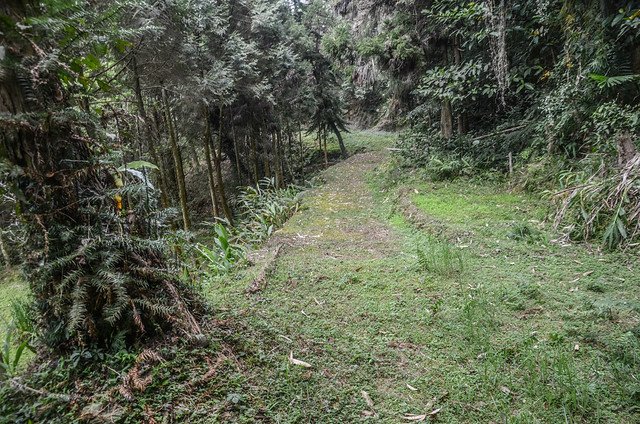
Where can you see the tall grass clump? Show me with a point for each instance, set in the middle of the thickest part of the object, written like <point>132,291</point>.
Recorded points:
<point>20,336</point>
<point>604,204</point>
<point>440,257</point>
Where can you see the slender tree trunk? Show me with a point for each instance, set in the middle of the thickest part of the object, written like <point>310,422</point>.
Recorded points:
<point>289,153</point>
<point>5,253</point>
<point>254,160</point>
<point>177,160</point>
<point>278,159</point>
<point>324,145</point>
<point>236,153</point>
<point>343,149</point>
<point>457,59</point>
<point>446,119</point>
<point>301,158</point>
<point>266,156</point>
<point>446,114</point>
<point>207,152</point>
<point>149,136</point>
<point>217,160</point>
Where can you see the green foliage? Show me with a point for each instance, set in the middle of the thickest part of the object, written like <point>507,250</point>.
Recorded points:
<point>448,167</point>
<point>604,81</point>
<point>19,336</point>
<point>224,254</point>
<point>605,203</point>
<point>265,208</point>
<point>561,89</point>
<point>11,354</point>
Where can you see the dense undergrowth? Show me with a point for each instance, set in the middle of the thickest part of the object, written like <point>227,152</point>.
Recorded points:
<point>545,90</point>
<point>210,254</point>
<point>219,247</point>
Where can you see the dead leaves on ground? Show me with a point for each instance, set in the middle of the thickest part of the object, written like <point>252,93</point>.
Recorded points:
<point>139,376</point>
<point>428,407</point>
<point>295,361</point>
<point>371,412</point>
<point>422,417</point>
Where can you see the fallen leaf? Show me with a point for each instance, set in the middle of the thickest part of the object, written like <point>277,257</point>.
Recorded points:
<point>367,399</point>
<point>435,411</point>
<point>506,391</point>
<point>420,417</point>
<point>295,361</point>
<point>411,387</point>
<point>414,417</point>
<point>576,347</point>
<point>368,413</point>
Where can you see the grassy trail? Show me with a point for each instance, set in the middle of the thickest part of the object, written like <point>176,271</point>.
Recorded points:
<point>406,301</point>
<point>430,301</point>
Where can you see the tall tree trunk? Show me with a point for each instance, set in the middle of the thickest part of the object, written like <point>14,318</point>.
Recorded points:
<point>446,119</point>
<point>301,158</point>
<point>165,159</point>
<point>254,159</point>
<point>266,156</point>
<point>324,146</point>
<point>278,159</point>
<point>149,135</point>
<point>217,160</point>
<point>446,114</point>
<point>236,154</point>
<point>210,175</point>
<point>457,59</point>
<point>177,160</point>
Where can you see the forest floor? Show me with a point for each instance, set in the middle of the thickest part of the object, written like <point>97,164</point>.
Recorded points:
<point>416,300</point>
<point>404,301</point>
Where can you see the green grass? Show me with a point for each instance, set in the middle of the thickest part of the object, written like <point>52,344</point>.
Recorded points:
<point>356,141</point>
<point>487,327</point>
<point>520,330</point>
<point>12,288</point>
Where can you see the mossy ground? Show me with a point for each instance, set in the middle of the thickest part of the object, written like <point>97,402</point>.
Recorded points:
<point>524,329</point>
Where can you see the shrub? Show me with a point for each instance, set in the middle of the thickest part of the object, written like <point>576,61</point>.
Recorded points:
<point>524,232</point>
<point>224,254</point>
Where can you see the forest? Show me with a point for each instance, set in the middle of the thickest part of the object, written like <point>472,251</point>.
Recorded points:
<point>325,211</point>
